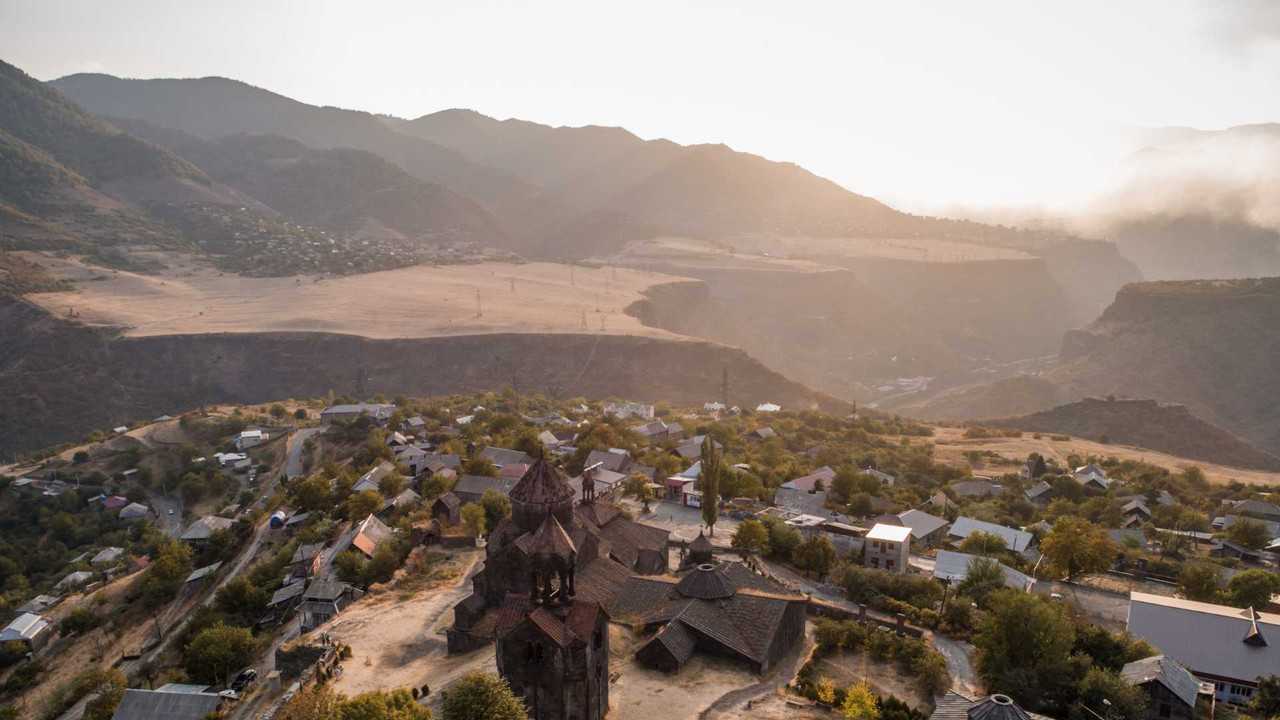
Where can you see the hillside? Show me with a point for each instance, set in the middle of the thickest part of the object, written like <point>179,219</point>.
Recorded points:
<point>1170,429</point>
<point>1211,345</point>
<point>64,379</point>
<point>214,107</point>
<point>341,189</point>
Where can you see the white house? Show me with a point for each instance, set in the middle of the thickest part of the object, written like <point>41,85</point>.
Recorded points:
<point>768,407</point>
<point>887,547</point>
<point>250,438</point>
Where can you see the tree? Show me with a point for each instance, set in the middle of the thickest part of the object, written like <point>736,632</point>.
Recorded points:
<point>473,518</point>
<point>1024,646</point>
<point>637,486</point>
<point>709,483</point>
<point>816,555</point>
<point>363,504</point>
<point>382,705</point>
<point>110,690</point>
<point>318,702</point>
<point>1253,588</point>
<point>480,466</point>
<point>170,566</point>
<point>1200,581</point>
<point>824,690</point>
<point>312,494</point>
<point>300,414</point>
<point>242,600</point>
<point>859,703</point>
<point>481,696</point>
<point>983,543</point>
<point>1038,465</point>
<point>751,537</point>
<point>217,652</point>
<point>983,577</point>
<point>391,484</point>
<point>1249,533</point>
<point>497,507</point>
<point>278,412</point>
<point>1075,546</point>
<point>1104,690</point>
<point>1266,699</point>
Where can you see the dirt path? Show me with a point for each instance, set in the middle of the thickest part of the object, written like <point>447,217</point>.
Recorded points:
<point>293,465</point>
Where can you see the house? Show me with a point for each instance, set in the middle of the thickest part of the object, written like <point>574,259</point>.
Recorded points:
<point>305,559</point>
<point>1229,549</point>
<point>887,547</point>
<point>114,502</point>
<point>447,509</point>
<point>654,431</point>
<point>1136,512</point>
<point>713,407</point>
<point>691,448</point>
<point>372,479</point>
<point>134,512</point>
<point>38,604</point>
<point>680,482</point>
<point>201,530</point>
<point>1171,690</point>
<point>416,424</point>
<point>165,704</point>
<point>1039,494</point>
<point>287,598</point>
<point>470,488</point>
<point>1225,522</point>
<point>675,431</point>
<point>378,412</point>
<point>624,410</point>
<point>953,567</point>
<point>762,433</point>
<point>724,610</point>
<point>844,537</point>
<point>250,438</point>
<point>1129,538</point>
<point>396,439</point>
<point>608,484</point>
<point>1019,541</point>
<point>406,499</point>
<point>820,477</point>
<point>1226,646</point>
<point>412,457</point>
<point>30,629</point>
<point>1091,477</point>
<point>74,581</point>
<point>323,600</point>
<point>926,530</point>
<point>201,573</point>
<point>107,556</point>
<point>976,488</point>
<point>503,456</point>
<point>614,459</point>
<point>768,407</point>
<point>800,501</point>
<point>884,478</point>
<point>1257,509</point>
<point>940,502</point>
<point>435,463</point>
<point>370,533</point>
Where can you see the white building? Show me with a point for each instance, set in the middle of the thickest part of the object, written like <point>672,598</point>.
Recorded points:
<point>887,547</point>
<point>250,438</point>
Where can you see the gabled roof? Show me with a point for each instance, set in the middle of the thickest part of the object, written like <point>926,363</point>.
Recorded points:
<point>1206,638</point>
<point>954,567</point>
<point>549,540</point>
<point>608,460</point>
<point>478,484</point>
<point>449,500</point>
<point>287,593</point>
<point>24,627</point>
<point>1038,490</point>
<point>922,524</point>
<point>204,528</point>
<point>157,705</point>
<point>1015,540</point>
<point>1167,672</point>
<point>370,533</point>
<point>325,589</point>
<point>810,481</point>
<point>976,487</point>
<point>371,479</point>
<point>204,572</point>
<point>503,456</point>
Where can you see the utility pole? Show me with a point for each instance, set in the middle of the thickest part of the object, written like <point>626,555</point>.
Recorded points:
<point>479,310</point>
<point>572,281</point>
<point>584,318</point>
<point>513,284</point>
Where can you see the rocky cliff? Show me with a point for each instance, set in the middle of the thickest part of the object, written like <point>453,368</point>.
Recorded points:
<point>62,380</point>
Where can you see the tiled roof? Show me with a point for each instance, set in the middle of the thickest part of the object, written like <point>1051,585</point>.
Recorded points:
<point>706,582</point>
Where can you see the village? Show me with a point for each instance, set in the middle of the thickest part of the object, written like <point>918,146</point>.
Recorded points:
<point>619,559</point>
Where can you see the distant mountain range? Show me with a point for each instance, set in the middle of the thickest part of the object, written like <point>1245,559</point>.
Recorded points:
<point>557,192</point>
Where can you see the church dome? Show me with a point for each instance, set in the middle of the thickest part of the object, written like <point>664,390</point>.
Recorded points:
<point>706,582</point>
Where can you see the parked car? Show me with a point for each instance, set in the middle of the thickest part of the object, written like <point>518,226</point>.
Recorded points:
<point>246,676</point>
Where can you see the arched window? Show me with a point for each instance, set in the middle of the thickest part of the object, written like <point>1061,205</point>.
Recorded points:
<point>597,641</point>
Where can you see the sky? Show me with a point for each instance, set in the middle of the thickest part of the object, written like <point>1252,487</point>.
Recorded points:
<point>930,106</point>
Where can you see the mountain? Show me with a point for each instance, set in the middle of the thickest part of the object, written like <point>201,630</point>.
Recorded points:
<point>1210,345</point>
<point>213,107</point>
<point>340,189</point>
<point>1171,429</point>
<point>68,177</point>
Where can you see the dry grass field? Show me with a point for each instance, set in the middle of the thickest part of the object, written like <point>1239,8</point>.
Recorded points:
<point>189,297</point>
<point>951,445</point>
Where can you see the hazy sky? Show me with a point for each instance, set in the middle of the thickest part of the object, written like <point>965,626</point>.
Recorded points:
<point>923,104</point>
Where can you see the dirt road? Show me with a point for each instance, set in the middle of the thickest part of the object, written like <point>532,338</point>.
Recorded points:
<point>293,466</point>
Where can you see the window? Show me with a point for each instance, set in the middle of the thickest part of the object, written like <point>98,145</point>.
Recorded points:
<point>888,564</point>
<point>875,562</point>
<point>598,640</point>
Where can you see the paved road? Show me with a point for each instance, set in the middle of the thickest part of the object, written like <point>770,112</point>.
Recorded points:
<point>1111,610</point>
<point>293,466</point>
<point>168,512</point>
<point>683,522</point>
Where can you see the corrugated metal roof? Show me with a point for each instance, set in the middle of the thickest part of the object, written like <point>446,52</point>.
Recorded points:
<point>1206,638</point>
<point>1167,672</point>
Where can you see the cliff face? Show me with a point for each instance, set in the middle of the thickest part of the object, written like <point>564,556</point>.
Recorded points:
<point>64,380</point>
<point>1149,424</point>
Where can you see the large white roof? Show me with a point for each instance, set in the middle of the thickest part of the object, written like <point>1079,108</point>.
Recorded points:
<point>891,533</point>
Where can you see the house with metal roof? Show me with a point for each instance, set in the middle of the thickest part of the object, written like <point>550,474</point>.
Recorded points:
<point>201,530</point>
<point>166,705</point>
<point>323,599</point>
<point>926,529</point>
<point>1230,647</point>
<point>809,483</point>
<point>470,488</point>
<point>379,412</point>
<point>503,456</point>
<point>1092,477</point>
<point>1171,690</point>
<point>29,629</point>
<point>371,479</point>
<point>1019,541</point>
<point>953,567</point>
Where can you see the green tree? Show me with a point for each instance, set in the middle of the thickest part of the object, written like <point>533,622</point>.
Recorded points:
<point>815,555</point>
<point>312,494</point>
<point>983,543</point>
<point>709,483</point>
<point>1075,546</point>
<point>278,412</point>
<point>637,486</point>
<point>1200,581</point>
<point>1249,533</point>
<point>481,696</point>
<point>1105,692</point>
<point>1266,699</point>
<point>170,566</point>
<point>751,537</point>
<point>217,652</point>
<point>1024,646</point>
<point>983,577</point>
<point>473,517</point>
<point>497,507</point>
<point>242,600</point>
<point>480,466</point>
<point>363,504</point>
<point>1253,588</point>
<point>391,484</point>
<point>859,703</point>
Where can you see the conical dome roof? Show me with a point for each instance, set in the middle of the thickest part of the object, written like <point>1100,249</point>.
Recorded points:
<point>706,582</point>
<point>542,484</point>
<point>550,540</point>
<point>998,707</point>
<point>701,543</point>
